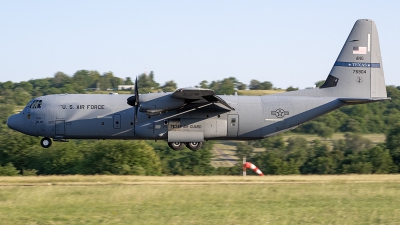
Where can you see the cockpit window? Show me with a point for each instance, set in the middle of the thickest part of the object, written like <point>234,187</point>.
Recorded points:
<point>29,104</point>
<point>36,104</point>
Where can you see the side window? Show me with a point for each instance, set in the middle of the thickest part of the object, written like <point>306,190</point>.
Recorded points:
<point>39,105</point>
<point>29,104</point>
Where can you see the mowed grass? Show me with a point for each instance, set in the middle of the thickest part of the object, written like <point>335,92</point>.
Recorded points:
<point>346,199</point>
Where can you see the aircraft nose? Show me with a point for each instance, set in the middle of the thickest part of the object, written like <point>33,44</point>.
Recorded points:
<point>15,122</point>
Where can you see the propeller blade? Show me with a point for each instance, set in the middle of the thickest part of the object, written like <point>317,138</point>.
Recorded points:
<point>135,120</point>
<point>136,112</point>
<point>136,100</point>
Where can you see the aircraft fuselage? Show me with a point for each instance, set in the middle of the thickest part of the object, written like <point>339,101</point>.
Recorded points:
<point>96,116</point>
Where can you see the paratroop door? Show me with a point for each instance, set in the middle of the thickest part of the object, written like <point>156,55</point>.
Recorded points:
<point>233,125</point>
<point>60,127</point>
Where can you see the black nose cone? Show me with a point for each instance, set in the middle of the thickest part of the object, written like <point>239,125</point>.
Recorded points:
<point>131,100</point>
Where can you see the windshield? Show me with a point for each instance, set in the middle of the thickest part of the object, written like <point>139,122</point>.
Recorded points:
<point>29,104</point>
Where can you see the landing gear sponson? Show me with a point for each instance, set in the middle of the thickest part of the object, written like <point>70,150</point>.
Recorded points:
<point>194,146</point>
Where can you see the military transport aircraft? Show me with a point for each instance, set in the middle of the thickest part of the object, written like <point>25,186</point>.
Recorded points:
<point>190,116</point>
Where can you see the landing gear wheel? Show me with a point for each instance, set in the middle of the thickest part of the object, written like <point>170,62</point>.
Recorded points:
<point>176,145</point>
<point>194,146</point>
<point>45,142</point>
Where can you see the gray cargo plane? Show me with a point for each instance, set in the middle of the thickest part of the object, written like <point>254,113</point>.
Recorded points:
<point>190,116</point>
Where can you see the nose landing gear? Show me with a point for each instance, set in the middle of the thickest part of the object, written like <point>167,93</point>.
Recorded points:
<point>45,142</point>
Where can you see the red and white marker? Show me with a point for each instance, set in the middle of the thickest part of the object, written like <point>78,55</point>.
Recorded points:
<point>254,168</point>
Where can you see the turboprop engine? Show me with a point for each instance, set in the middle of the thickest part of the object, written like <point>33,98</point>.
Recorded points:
<point>157,103</point>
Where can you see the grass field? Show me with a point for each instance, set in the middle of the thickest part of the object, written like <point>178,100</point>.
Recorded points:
<point>345,199</point>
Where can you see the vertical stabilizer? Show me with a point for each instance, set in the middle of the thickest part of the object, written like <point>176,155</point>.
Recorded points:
<point>358,70</point>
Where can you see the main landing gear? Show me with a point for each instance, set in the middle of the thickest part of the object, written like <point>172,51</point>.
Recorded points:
<point>176,145</point>
<point>45,142</point>
<point>194,146</point>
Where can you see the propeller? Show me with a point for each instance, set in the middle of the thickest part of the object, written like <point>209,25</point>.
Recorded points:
<point>134,101</point>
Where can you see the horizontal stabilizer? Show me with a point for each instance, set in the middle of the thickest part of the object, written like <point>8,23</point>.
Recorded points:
<point>354,101</point>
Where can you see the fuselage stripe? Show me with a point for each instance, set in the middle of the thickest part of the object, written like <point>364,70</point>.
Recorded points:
<point>357,64</point>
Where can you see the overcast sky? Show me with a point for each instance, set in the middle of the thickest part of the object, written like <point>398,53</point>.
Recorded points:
<point>290,43</point>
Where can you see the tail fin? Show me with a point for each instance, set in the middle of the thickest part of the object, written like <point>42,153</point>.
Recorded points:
<point>358,70</point>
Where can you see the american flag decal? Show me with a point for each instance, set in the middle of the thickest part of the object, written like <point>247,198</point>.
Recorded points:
<point>359,50</point>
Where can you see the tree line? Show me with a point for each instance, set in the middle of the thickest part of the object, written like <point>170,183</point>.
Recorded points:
<point>22,155</point>
<point>352,155</point>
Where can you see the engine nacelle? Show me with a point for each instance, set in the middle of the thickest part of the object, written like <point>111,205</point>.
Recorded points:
<point>155,104</point>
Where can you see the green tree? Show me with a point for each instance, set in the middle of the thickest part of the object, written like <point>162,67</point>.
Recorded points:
<point>8,85</point>
<point>128,81</point>
<point>5,112</point>
<point>266,85</point>
<point>8,170</point>
<point>358,168</point>
<point>20,96</point>
<point>320,165</point>
<point>61,158</point>
<point>297,151</point>
<point>60,79</point>
<point>290,88</point>
<point>241,86</point>
<point>243,149</point>
<point>353,144</point>
<point>271,163</point>
<point>169,86</point>
<point>104,82</point>
<point>185,161</point>
<point>319,128</point>
<point>393,143</point>
<point>381,160</point>
<point>82,79</point>
<point>146,83</point>
<point>123,158</point>
<point>26,86</point>
<point>257,85</point>
<point>226,87</point>
<point>204,84</point>
<point>95,78</point>
<point>16,148</point>
<point>270,143</point>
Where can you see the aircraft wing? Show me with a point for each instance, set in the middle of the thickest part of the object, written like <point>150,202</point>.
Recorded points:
<point>199,95</point>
